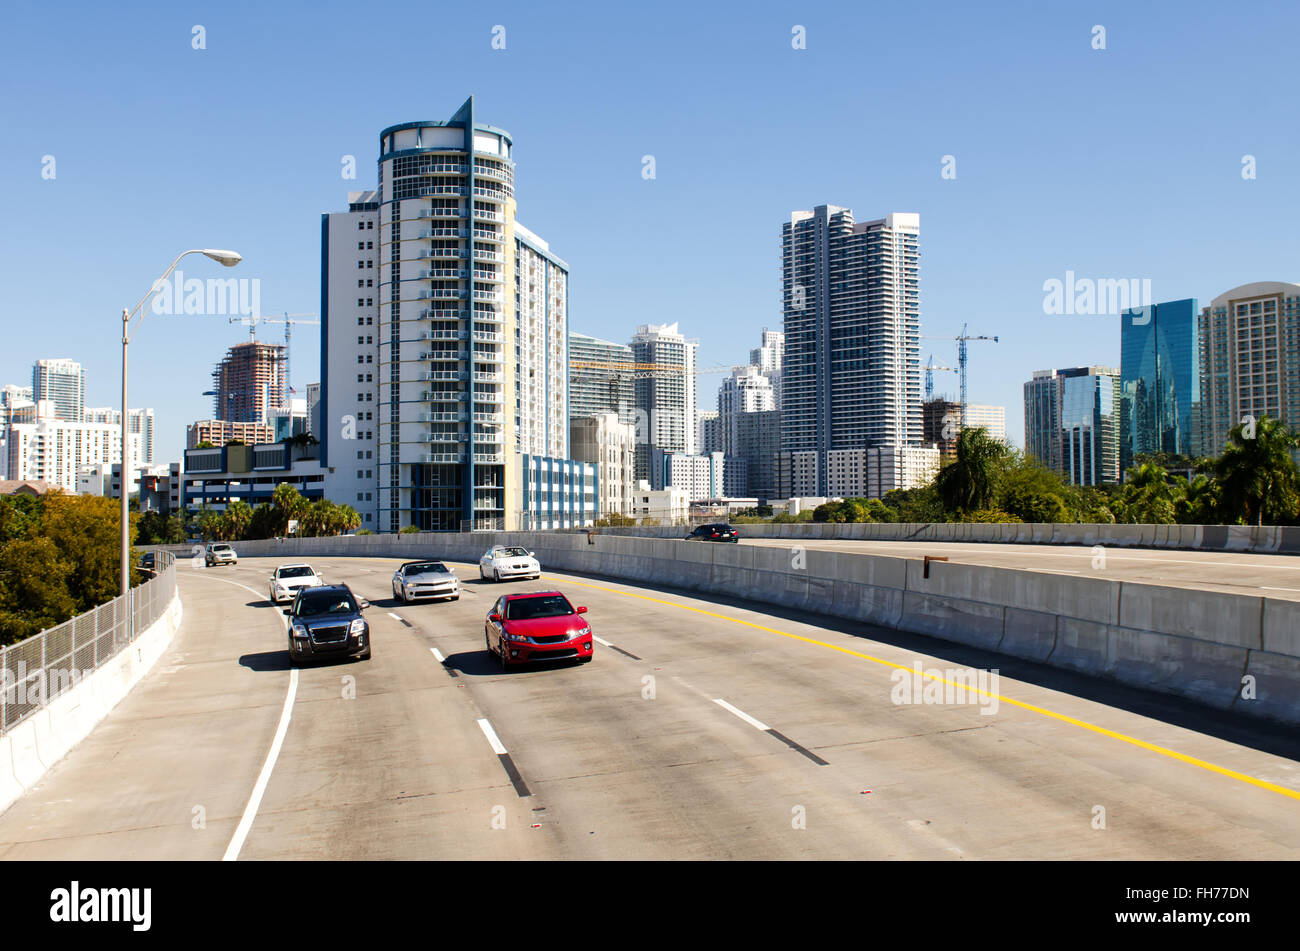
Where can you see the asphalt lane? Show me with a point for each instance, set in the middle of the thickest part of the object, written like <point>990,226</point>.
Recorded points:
<point>1272,576</point>
<point>716,729</point>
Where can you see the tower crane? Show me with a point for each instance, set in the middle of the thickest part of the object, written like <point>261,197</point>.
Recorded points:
<point>962,340</point>
<point>929,369</point>
<point>288,320</point>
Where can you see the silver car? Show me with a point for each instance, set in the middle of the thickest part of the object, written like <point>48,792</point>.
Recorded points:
<point>502,562</point>
<point>425,579</point>
<point>220,553</point>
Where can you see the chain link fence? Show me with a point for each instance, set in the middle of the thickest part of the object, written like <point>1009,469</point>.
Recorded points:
<point>35,671</point>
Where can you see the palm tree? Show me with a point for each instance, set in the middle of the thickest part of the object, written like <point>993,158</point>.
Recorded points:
<point>288,504</point>
<point>1148,497</point>
<point>967,483</point>
<point>237,516</point>
<point>1258,475</point>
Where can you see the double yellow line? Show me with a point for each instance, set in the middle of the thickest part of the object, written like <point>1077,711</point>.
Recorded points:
<point>1083,724</point>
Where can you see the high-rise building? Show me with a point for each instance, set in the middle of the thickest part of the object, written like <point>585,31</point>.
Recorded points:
<point>53,450</point>
<point>220,432</point>
<point>348,414</point>
<point>1160,381</point>
<point>851,375</point>
<point>610,444</point>
<point>1249,360</point>
<point>63,383</point>
<point>249,381</point>
<point>708,434</point>
<point>703,476</point>
<point>769,357</point>
<point>600,378</point>
<point>747,390</point>
<point>1072,422</point>
<point>758,440</point>
<point>456,331</point>
<point>665,398</point>
<point>11,398</point>
<point>139,431</point>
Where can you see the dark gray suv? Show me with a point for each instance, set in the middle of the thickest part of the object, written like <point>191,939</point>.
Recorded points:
<point>326,621</point>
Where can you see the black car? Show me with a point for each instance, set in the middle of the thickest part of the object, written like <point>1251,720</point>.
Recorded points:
<point>148,561</point>
<point>717,532</point>
<point>326,621</point>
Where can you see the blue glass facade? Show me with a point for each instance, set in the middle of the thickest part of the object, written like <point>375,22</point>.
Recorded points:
<point>1160,379</point>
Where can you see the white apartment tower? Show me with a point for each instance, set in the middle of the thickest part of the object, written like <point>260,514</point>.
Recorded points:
<point>63,383</point>
<point>665,398</point>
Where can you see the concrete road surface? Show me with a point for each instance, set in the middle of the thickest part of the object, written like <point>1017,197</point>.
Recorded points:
<point>1272,576</point>
<point>708,730</point>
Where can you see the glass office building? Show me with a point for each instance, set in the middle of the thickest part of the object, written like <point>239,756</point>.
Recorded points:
<point>1160,381</point>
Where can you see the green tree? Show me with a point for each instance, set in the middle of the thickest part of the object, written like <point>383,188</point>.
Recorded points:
<point>1148,497</point>
<point>84,528</point>
<point>968,482</point>
<point>1031,492</point>
<point>1257,475</point>
<point>34,591</point>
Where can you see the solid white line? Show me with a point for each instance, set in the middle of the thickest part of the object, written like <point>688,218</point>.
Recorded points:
<point>743,715</point>
<point>264,777</point>
<point>255,800</point>
<point>491,735</point>
<point>393,616</point>
<point>601,641</point>
<point>437,655</point>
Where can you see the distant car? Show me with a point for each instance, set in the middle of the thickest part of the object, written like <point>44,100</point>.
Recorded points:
<point>149,561</point>
<point>326,621</point>
<point>501,563</point>
<point>219,553</point>
<point>536,627</point>
<point>717,532</point>
<point>425,579</point>
<point>287,579</point>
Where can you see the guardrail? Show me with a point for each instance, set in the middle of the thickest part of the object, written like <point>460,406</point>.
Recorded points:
<point>41,668</point>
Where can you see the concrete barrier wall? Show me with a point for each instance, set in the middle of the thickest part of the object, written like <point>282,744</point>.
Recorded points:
<point>1207,646</point>
<point>41,740</point>
<point>1244,538</point>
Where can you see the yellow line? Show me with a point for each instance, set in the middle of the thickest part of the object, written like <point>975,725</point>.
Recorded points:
<point>1134,741</point>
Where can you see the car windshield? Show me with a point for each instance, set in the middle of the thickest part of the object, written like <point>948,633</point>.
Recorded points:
<point>525,609</point>
<point>512,553</point>
<point>316,604</point>
<point>426,568</point>
<point>297,571</point>
<point>221,548</point>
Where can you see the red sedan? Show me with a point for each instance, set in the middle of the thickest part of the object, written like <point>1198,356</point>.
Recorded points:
<point>536,627</point>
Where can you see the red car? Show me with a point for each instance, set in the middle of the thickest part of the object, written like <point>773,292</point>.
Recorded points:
<point>536,627</point>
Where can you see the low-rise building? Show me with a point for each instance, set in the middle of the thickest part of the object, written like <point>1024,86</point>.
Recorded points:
<point>220,432</point>
<point>668,506</point>
<point>611,445</point>
<point>216,477</point>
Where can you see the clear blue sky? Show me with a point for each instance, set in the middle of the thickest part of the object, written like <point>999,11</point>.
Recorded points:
<point>1117,163</point>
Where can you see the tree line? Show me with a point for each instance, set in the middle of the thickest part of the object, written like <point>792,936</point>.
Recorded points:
<point>1254,481</point>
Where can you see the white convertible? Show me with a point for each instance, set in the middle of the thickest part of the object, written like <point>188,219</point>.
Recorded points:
<point>501,563</point>
<point>425,579</point>
<point>287,579</point>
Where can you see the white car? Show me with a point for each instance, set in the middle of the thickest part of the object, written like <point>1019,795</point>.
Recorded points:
<point>501,563</point>
<point>425,579</point>
<point>219,553</point>
<point>287,579</point>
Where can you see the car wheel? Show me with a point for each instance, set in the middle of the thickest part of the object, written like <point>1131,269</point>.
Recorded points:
<point>365,654</point>
<point>293,658</point>
<point>487,644</point>
<point>496,575</point>
<point>505,660</point>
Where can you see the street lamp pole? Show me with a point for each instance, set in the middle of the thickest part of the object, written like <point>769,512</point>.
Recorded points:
<point>226,258</point>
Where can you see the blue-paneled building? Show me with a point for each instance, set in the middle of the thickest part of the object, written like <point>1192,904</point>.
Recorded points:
<point>1160,380</point>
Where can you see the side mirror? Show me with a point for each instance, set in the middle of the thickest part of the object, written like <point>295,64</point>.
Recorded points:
<point>364,603</point>
<point>495,617</point>
<point>287,612</point>
<point>582,610</point>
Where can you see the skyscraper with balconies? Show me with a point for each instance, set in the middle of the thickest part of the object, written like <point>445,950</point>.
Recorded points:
<point>457,333</point>
<point>665,396</point>
<point>63,383</point>
<point>851,376</point>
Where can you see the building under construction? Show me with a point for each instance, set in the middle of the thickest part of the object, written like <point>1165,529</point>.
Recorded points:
<point>249,381</point>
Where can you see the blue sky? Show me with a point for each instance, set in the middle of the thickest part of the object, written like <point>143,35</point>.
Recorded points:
<point>1116,163</point>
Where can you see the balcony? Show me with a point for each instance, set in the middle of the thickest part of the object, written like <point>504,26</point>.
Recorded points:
<point>443,437</point>
<point>441,254</point>
<point>494,296</point>
<point>495,277</point>
<point>483,254</point>
<point>440,294</point>
<point>483,234</point>
<point>489,336</point>
<point>484,171</point>
<point>440,213</point>
<point>495,418</point>
<point>442,274</point>
<point>427,233</point>
<point>481,377</point>
<point>489,458</point>
<point>443,458</point>
<point>485,356</point>
<point>489,316</point>
<point>491,194</point>
<point>443,335</point>
<point>428,191</point>
<point>436,417</point>
<point>442,314</point>
<point>481,215</point>
<point>444,355</point>
<point>442,169</point>
<point>430,376</point>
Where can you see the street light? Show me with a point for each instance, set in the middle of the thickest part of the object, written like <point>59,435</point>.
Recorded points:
<point>226,258</point>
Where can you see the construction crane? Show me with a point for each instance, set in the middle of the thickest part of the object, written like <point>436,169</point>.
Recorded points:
<point>640,371</point>
<point>929,369</point>
<point>288,320</point>
<point>961,339</point>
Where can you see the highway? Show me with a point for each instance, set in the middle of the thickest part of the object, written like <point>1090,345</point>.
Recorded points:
<point>710,729</point>
<point>1272,576</point>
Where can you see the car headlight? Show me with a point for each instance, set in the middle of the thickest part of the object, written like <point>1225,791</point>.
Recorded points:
<point>358,626</point>
<point>581,632</point>
<point>299,630</point>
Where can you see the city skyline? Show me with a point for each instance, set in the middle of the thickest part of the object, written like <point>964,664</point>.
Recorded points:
<point>1057,207</point>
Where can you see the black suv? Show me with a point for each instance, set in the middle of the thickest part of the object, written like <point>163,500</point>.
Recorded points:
<point>717,532</point>
<point>326,621</point>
